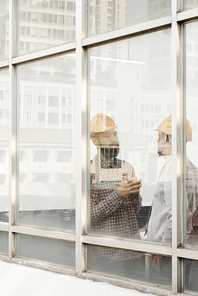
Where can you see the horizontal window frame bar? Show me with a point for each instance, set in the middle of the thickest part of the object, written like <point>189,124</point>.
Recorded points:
<point>128,31</point>
<point>39,265</point>
<point>188,253</point>
<point>4,64</point>
<point>187,15</point>
<point>126,244</point>
<point>44,53</point>
<point>4,226</point>
<point>143,287</point>
<point>51,234</point>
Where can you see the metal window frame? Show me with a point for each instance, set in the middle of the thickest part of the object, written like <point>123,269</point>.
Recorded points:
<point>177,251</point>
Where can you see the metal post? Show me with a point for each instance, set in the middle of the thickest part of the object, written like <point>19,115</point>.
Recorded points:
<point>176,150</point>
<point>13,125</point>
<point>81,144</point>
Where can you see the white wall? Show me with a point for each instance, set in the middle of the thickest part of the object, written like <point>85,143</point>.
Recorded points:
<point>19,280</point>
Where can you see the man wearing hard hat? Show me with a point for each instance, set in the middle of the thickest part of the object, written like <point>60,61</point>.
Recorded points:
<point>160,221</point>
<point>114,192</point>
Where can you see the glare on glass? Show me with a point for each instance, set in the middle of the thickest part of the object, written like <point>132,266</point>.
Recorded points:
<point>4,25</point>
<point>43,24</point>
<point>106,16</point>
<point>191,197</point>
<point>47,250</point>
<point>47,143</point>
<point>131,265</point>
<point>4,145</point>
<point>130,98</point>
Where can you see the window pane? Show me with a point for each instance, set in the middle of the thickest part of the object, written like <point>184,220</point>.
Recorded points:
<point>47,144</point>
<point>191,198</point>
<point>105,16</point>
<point>48,250</point>
<point>43,24</point>
<point>131,265</point>
<point>132,81</point>
<point>3,242</point>
<point>190,275</point>
<point>4,25</point>
<point>189,4</point>
<point>4,145</point>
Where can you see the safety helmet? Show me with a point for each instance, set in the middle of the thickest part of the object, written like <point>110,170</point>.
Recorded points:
<point>101,123</point>
<point>166,127</point>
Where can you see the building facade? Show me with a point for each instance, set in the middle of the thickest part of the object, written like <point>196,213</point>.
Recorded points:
<point>61,64</point>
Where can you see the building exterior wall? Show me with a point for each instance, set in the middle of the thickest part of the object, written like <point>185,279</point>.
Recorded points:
<point>33,282</point>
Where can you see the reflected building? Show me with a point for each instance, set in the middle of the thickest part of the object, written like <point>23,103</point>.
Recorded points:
<point>44,24</point>
<point>106,16</point>
<point>191,63</point>
<point>47,97</point>
<point>4,30</point>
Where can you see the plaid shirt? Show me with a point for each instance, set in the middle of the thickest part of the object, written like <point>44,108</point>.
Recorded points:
<point>111,214</point>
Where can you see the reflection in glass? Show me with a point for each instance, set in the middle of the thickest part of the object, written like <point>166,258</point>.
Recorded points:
<point>130,96</point>
<point>106,16</point>
<point>48,250</point>
<point>191,47</point>
<point>190,275</point>
<point>189,4</point>
<point>47,108</point>
<point>43,24</point>
<point>139,266</point>
<point>4,29</point>
<point>4,145</point>
<point>3,242</point>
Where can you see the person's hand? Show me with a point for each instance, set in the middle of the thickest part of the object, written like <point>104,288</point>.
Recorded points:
<point>129,186</point>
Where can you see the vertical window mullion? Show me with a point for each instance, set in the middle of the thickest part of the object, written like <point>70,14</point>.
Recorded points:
<point>13,130</point>
<point>177,154</point>
<point>81,144</point>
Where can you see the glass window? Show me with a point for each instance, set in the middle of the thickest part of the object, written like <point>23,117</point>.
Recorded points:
<point>191,196</point>
<point>64,156</point>
<point>130,12</point>
<point>41,155</point>
<point>53,118</point>
<point>43,198</point>
<point>27,99</point>
<point>125,100</point>
<point>41,23</point>
<point>4,29</point>
<point>41,117</point>
<point>53,101</point>
<point>190,278</point>
<point>4,142</point>
<point>41,177</point>
<point>189,4</point>
<point>41,100</point>
<point>47,250</point>
<point>3,240</point>
<point>115,133</point>
<point>131,265</point>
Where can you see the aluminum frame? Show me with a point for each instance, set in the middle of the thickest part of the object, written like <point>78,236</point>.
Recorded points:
<point>177,250</point>
<point>177,284</point>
